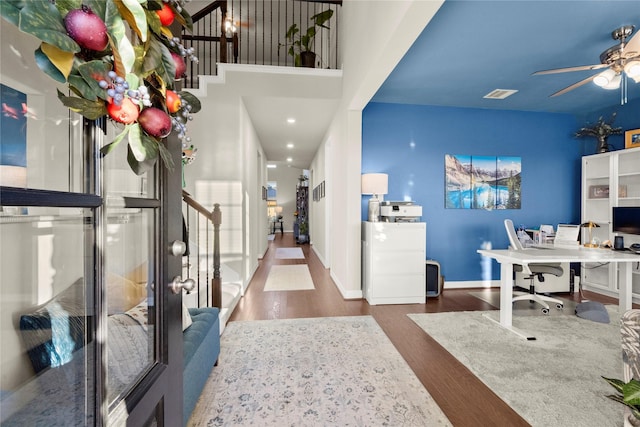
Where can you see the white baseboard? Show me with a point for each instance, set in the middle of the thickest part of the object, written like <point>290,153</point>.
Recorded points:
<point>472,284</point>
<point>352,294</point>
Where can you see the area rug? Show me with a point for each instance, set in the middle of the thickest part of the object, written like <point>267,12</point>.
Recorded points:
<point>553,381</point>
<point>294,277</point>
<point>271,237</point>
<point>289,253</point>
<point>336,371</point>
<point>525,308</point>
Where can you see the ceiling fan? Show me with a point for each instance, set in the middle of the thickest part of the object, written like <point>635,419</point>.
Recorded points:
<point>620,61</point>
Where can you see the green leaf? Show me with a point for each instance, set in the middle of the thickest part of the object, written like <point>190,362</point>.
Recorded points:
<point>153,21</point>
<point>139,17</point>
<point>113,144</point>
<point>142,151</point>
<point>191,100</point>
<point>135,143</point>
<point>631,392</point>
<point>184,18</point>
<point>97,6</point>
<point>615,383</point>
<point>137,167</point>
<point>10,10</point>
<point>154,4</point>
<point>133,80</point>
<point>142,145</point>
<point>92,72</point>
<point>123,48</point>
<point>79,86</point>
<point>159,59</point>
<point>166,157</point>
<point>92,110</point>
<point>45,64</point>
<point>43,20</point>
<point>65,6</point>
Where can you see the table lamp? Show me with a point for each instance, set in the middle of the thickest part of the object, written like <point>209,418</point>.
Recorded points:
<point>590,225</point>
<point>279,212</point>
<point>375,184</point>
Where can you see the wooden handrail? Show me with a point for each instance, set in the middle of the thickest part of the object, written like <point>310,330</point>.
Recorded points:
<point>197,206</point>
<point>208,9</point>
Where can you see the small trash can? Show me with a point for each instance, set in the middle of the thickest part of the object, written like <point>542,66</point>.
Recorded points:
<point>434,278</point>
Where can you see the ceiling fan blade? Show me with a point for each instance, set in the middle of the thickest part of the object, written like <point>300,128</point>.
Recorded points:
<point>633,45</point>
<point>568,69</point>
<point>573,86</point>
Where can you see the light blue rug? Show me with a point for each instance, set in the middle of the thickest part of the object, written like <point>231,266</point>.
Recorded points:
<point>553,381</point>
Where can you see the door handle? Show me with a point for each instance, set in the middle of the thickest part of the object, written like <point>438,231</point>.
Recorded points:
<point>178,248</point>
<point>178,284</point>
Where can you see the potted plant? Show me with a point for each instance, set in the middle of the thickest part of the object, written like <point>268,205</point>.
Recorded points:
<point>301,44</point>
<point>303,237</point>
<point>629,396</point>
<point>601,131</point>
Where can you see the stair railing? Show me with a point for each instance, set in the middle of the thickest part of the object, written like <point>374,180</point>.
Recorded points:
<point>198,224</point>
<point>253,32</point>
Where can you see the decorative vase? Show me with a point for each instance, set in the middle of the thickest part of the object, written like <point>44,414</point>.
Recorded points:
<point>602,147</point>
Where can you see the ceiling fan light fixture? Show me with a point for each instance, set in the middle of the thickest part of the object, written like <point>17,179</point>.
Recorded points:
<point>614,83</point>
<point>632,69</point>
<point>605,78</point>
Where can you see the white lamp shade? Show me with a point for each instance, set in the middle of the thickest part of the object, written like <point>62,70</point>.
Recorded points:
<point>375,183</point>
<point>604,78</point>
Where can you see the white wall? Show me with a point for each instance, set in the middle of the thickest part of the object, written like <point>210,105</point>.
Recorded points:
<point>228,154</point>
<point>374,37</point>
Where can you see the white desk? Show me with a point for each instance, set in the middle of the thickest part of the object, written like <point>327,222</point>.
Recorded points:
<point>507,258</point>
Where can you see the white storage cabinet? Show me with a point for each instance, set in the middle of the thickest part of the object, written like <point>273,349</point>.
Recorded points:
<point>393,262</point>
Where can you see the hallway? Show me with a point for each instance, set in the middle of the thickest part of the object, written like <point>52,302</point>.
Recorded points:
<point>451,384</point>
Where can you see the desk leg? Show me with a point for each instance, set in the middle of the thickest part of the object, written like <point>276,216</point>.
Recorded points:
<point>506,294</point>
<point>506,305</point>
<point>625,299</point>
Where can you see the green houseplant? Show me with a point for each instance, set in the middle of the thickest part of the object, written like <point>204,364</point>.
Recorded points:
<point>629,395</point>
<point>300,44</point>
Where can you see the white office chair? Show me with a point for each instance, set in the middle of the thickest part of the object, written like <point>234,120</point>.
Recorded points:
<point>532,271</point>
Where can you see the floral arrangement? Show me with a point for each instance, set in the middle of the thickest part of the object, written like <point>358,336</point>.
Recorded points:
<point>120,59</point>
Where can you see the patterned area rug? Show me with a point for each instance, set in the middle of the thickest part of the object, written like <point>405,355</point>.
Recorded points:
<point>289,278</point>
<point>337,371</point>
<point>553,381</point>
<point>289,253</point>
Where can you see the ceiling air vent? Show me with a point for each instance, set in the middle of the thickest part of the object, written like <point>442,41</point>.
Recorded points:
<point>500,93</point>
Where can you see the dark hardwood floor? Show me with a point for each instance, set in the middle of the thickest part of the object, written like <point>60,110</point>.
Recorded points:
<point>462,397</point>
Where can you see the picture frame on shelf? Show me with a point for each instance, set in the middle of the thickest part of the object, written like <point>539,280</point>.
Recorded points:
<point>632,138</point>
<point>598,191</point>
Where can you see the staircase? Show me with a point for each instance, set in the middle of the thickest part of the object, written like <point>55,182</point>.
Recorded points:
<point>253,32</point>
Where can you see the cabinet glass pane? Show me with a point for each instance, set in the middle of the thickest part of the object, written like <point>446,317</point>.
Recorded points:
<point>628,162</point>
<point>46,318</point>
<point>596,167</point>
<point>131,314</point>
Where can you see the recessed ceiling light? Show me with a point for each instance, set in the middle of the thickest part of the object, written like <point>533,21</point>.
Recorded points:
<point>289,159</point>
<point>271,166</point>
<point>290,145</point>
<point>500,93</point>
<point>291,120</point>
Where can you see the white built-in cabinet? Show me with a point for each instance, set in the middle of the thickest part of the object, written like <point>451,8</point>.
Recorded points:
<point>608,180</point>
<point>393,262</point>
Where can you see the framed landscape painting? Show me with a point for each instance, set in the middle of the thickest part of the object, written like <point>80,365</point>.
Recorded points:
<point>13,138</point>
<point>482,182</point>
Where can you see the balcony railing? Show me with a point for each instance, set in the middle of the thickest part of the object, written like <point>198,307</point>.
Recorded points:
<point>254,32</point>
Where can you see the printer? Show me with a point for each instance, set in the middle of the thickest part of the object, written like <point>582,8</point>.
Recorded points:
<point>400,211</point>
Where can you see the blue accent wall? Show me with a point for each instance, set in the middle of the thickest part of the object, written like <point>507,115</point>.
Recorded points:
<point>409,143</point>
